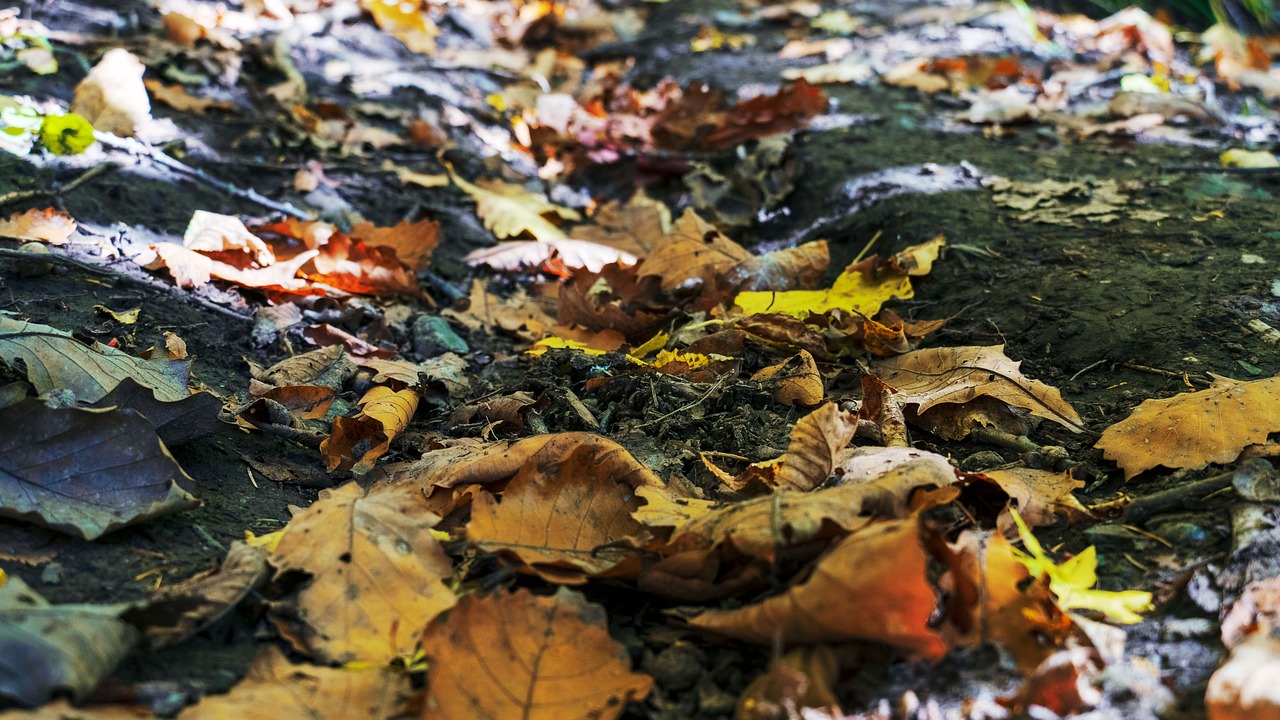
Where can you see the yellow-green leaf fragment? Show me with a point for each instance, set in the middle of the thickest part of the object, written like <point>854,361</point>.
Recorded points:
<point>1073,580</point>
<point>67,134</point>
<point>852,291</point>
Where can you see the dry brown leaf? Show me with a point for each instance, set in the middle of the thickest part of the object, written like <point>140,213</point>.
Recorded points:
<point>276,688</point>
<point>802,680</point>
<point>211,233</point>
<point>520,313</point>
<point>954,422</point>
<point>328,367</point>
<point>384,414</point>
<point>566,520</point>
<point>764,115</point>
<point>1040,495</point>
<point>192,269</point>
<point>112,97</point>
<point>1247,686</point>
<point>177,97</point>
<point>551,255</point>
<point>413,243</point>
<point>509,210</point>
<point>376,573</point>
<point>795,381</point>
<point>1194,429</point>
<point>634,228</point>
<point>48,226</point>
<point>64,710</point>
<point>957,375</point>
<point>810,456</point>
<point>519,655</point>
<point>872,586</point>
<point>326,335</point>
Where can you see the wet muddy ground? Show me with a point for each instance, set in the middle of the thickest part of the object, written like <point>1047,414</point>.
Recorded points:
<point>1111,313</point>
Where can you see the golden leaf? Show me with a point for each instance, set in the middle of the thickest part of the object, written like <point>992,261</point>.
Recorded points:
<point>810,456</point>
<point>509,210</point>
<point>861,288</point>
<point>384,413</point>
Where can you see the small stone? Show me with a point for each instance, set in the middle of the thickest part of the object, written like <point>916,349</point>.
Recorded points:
<point>1256,479</point>
<point>1182,532</point>
<point>715,701</point>
<point>52,574</point>
<point>678,667</point>
<point>33,268</point>
<point>432,336</point>
<point>983,460</point>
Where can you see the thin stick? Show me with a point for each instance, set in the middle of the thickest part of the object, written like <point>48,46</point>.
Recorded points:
<point>867,247</point>
<point>1173,498</point>
<point>134,147</point>
<point>96,170</point>
<point>1087,369</point>
<point>683,408</point>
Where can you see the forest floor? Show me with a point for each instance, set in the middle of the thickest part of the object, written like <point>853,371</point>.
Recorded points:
<point>1171,283</point>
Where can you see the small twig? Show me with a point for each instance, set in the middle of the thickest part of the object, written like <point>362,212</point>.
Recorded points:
<point>302,437</point>
<point>865,248</point>
<point>582,411</point>
<point>1087,369</point>
<point>1001,438</point>
<point>208,539</point>
<point>690,406</point>
<point>96,170</point>
<point>457,298</point>
<point>1184,377</point>
<point>134,147</point>
<point>120,276</point>
<point>1173,498</point>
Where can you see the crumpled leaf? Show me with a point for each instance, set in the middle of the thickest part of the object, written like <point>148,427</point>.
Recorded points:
<point>1041,495</point>
<point>522,314</point>
<point>764,115</point>
<point>49,226</point>
<point>209,232</point>
<point>327,366</point>
<point>861,288</point>
<point>959,374</point>
<point>568,253</point>
<point>52,649</point>
<point>1191,430</point>
<point>384,413</point>
<point>872,586</point>
<point>112,97</point>
<point>520,655</point>
<point>634,228</point>
<point>795,381</point>
<point>276,688</point>
<point>85,472</point>
<point>176,612</point>
<point>803,679</point>
<point>377,573</point>
<point>567,519</point>
<point>1073,580</point>
<point>810,456</point>
<point>1246,687</point>
<point>509,210</point>
<point>55,360</point>
<point>413,242</point>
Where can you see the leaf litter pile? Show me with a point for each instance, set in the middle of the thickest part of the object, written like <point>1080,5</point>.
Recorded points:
<point>415,359</point>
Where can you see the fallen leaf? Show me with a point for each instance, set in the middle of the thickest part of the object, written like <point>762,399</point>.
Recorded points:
<point>177,97</point>
<point>566,520</point>
<point>810,456</point>
<point>520,313</point>
<point>1192,430</point>
<point>872,586</point>
<point>359,440</point>
<point>862,288</point>
<point>519,655</point>
<point>86,472</point>
<point>328,366</point>
<point>377,574</point>
<point>176,422</point>
<point>48,226</point>
<point>634,228</point>
<point>211,233</point>
<point>406,21</point>
<point>1061,684</point>
<point>509,210</point>
<point>764,115</point>
<point>795,381</point>
<point>959,374</point>
<point>413,243</point>
<point>56,649</point>
<point>570,253</point>
<point>1245,687</point>
<point>176,612</point>
<point>1040,495</point>
<point>276,688</point>
<point>327,335</point>
<point>112,96</point>
<point>803,680</point>
<point>192,269</point>
<point>124,317</point>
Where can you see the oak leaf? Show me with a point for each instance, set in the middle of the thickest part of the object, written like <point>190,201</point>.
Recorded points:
<point>565,520</point>
<point>377,573</point>
<point>520,655</point>
<point>872,586</point>
<point>384,414</point>
<point>85,472</point>
<point>48,226</point>
<point>276,688</point>
<point>1192,430</point>
<point>931,377</point>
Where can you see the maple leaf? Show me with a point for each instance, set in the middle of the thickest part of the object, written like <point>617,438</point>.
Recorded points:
<point>1191,430</point>
<point>48,226</point>
<point>509,210</point>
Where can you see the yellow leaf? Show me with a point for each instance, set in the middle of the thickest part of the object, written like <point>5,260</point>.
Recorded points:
<point>1248,159</point>
<point>405,21</point>
<point>551,343</point>
<point>853,291</point>
<point>1072,581</point>
<point>509,210</point>
<point>67,134</point>
<point>267,542</point>
<point>653,344</point>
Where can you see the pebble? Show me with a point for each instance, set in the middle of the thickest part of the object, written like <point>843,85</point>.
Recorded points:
<point>1182,532</point>
<point>52,574</point>
<point>33,268</point>
<point>678,667</point>
<point>982,460</point>
<point>432,336</point>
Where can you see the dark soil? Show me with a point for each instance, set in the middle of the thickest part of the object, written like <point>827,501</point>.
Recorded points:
<point>1112,314</point>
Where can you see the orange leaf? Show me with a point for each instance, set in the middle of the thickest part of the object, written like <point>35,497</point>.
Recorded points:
<point>48,225</point>
<point>384,413</point>
<point>376,573</point>
<point>519,655</point>
<point>795,381</point>
<point>765,115</point>
<point>872,586</point>
<point>1194,429</point>
<point>810,456</point>
<point>413,243</point>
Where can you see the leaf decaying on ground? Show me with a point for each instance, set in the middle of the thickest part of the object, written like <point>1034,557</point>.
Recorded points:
<point>176,422</point>
<point>85,472</point>
<point>406,22</point>
<point>359,440</point>
<point>1192,430</point>
<point>112,97</point>
<point>810,456</point>
<point>960,374</point>
<point>557,256</point>
<point>53,649</point>
<point>276,688</point>
<point>47,226</point>
<point>176,612</point>
<point>522,314</point>
<point>803,679</point>
<point>862,288</point>
<point>768,114</point>
<point>376,574</point>
<point>795,381</point>
<point>633,228</point>
<point>54,360</point>
<point>413,242</point>
<point>872,586</point>
<point>177,97</point>
<point>509,210</point>
<point>1247,686</point>
<point>328,367</point>
<point>567,519</point>
<point>520,655</point>
<point>1041,495</point>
